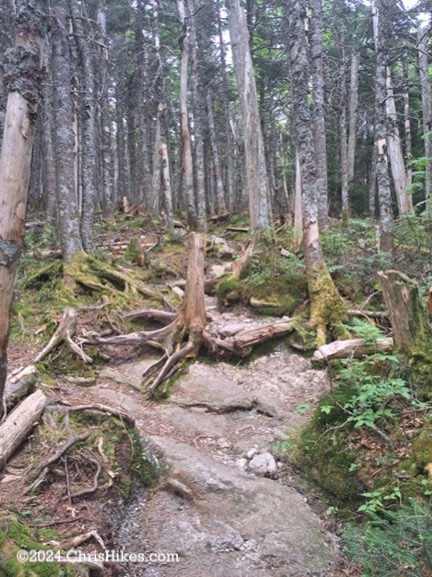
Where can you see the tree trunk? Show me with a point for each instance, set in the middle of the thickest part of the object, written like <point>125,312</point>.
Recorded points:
<point>326,304</point>
<point>88,139</point>
<point>425,84</point>
<point>48,168</point>
<point>399,174</point>
<point>384,194</point>
<point>352,121</point>
<point>123,182</point>
<point>318,96</point>
<point>22,81</point>
<point>70,238</point>
<point>107,154</point>
<point>372,183</point>
<point>298,212</point>
<point>343,117</point>
<point>256,181</point>
<point>186,148</point>
<point>220,205</point>
<point>407,118</point>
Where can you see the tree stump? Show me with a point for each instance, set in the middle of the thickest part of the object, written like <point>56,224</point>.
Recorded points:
<point>407,314</point>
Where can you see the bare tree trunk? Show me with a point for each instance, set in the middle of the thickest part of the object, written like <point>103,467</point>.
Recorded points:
<point>187,163</point>
<point>372,183</point>
<point>123,182</point>
<point>407,117</point>
<point>220,195</point>
<point>88,139</point>
<point>343,117</point>
<point>352,121</point>
<point>326,304</point>
<point>298,218</point>
<point>229,140</point>
<point>384,194</point>
<point>256,181</point>
<point>70,238</point>
<point>107,155</point>
<point>319,111</point>
<point>48,168</point>
<point>394,145</point>
<point>22,81</point>
<point>167,186</point>
<point>425,84</point>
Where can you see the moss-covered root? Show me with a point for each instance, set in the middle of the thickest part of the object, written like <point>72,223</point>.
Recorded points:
<point>327,307</point>
<point>88,271</point>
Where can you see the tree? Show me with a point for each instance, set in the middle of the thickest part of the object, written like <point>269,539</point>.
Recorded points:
<point>22,80</point>
<point>326,304</point>
<point>255,182</point>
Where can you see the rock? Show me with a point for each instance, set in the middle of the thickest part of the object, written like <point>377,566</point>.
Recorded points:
<point>116,399</point>
<point>128,373</point>
<point>242,464</point>
<point>204,386</point>
<point>232,329</point>
<point>223,443</point>
<point>263,528</point>
<point>263,464</point>
<point>252,452</point>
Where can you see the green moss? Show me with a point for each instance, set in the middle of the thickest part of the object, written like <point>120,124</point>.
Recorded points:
<point>327,307</point>
<point>421,451</point>
<point>230,290</point>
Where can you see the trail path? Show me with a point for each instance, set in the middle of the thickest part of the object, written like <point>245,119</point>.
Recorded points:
<point>227,507</point>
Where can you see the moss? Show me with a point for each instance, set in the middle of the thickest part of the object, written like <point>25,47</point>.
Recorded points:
<point>134,252</point>
<point>327,307</point>
<point>42,275</point>
<point>230,290</point>
<point>421,451</point>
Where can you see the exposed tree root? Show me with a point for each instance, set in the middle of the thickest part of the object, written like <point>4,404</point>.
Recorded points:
<point>185,334</point>
<point>65,331</point>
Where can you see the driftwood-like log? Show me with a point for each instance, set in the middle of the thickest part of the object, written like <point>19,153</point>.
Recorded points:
<point>352,348</point>
<point>19,384</point>
<point>19,423</point>
<point>406,311</point>
<point>367,314</point>
<point>252,337</point>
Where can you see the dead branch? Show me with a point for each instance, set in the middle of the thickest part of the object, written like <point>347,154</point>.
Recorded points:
<point>80,539</point>
<point>236,229</point>
<point>354,348</point>
<point>19,423</point>
<point>59,453</point>
<point>367,314</point>
<point>19,384</point>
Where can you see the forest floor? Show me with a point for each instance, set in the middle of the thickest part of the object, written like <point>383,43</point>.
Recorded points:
<point>216,486</point>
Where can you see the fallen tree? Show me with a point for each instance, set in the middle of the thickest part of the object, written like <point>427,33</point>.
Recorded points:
<point>352,348</point>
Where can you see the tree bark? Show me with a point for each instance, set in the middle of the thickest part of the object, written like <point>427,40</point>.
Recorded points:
<point>352,348</point>
<point>318,96</point>
<point>186,148</point>
<point>256,181</point>
<point>70,238</point>
<point>22,81</point>
<point>88,139</point>
<point>220,205</point>
<point>383,181</point>
<point>425,84</point>
<point>352,121</point>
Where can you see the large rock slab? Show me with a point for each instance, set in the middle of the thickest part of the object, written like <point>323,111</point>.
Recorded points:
<point>237,524</point>
<point>128,373</point>
<point>204,386</point>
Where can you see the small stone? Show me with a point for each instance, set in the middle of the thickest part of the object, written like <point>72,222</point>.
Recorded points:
<point>252,452</point>
<point>242,464</point>
<point>223,443</point>
<point>263,464</point>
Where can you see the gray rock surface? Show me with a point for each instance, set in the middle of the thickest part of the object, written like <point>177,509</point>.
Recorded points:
<point>263,464</point>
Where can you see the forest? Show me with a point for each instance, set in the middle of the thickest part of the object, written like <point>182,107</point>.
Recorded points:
<point>216,287</point>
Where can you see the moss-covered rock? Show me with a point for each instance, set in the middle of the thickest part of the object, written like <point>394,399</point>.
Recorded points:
<point>230,290</point>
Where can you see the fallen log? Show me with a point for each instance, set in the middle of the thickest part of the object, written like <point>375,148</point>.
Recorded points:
<point>19,384</point>
<point>19,423</point>
<point>367,314</point>
<point>251,337</point>
<point>352,348</point>
<point>162,317</point>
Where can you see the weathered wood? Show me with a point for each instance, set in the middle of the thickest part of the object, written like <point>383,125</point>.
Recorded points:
<point>19,384</point>
<point>406,311</point>
<point>367,314</point>
<point>252,337</point>
<point>163,317</point>
<point>19,423</point>
<point>354,348</point>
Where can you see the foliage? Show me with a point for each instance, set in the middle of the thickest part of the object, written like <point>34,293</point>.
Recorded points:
<point>393,543</point>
